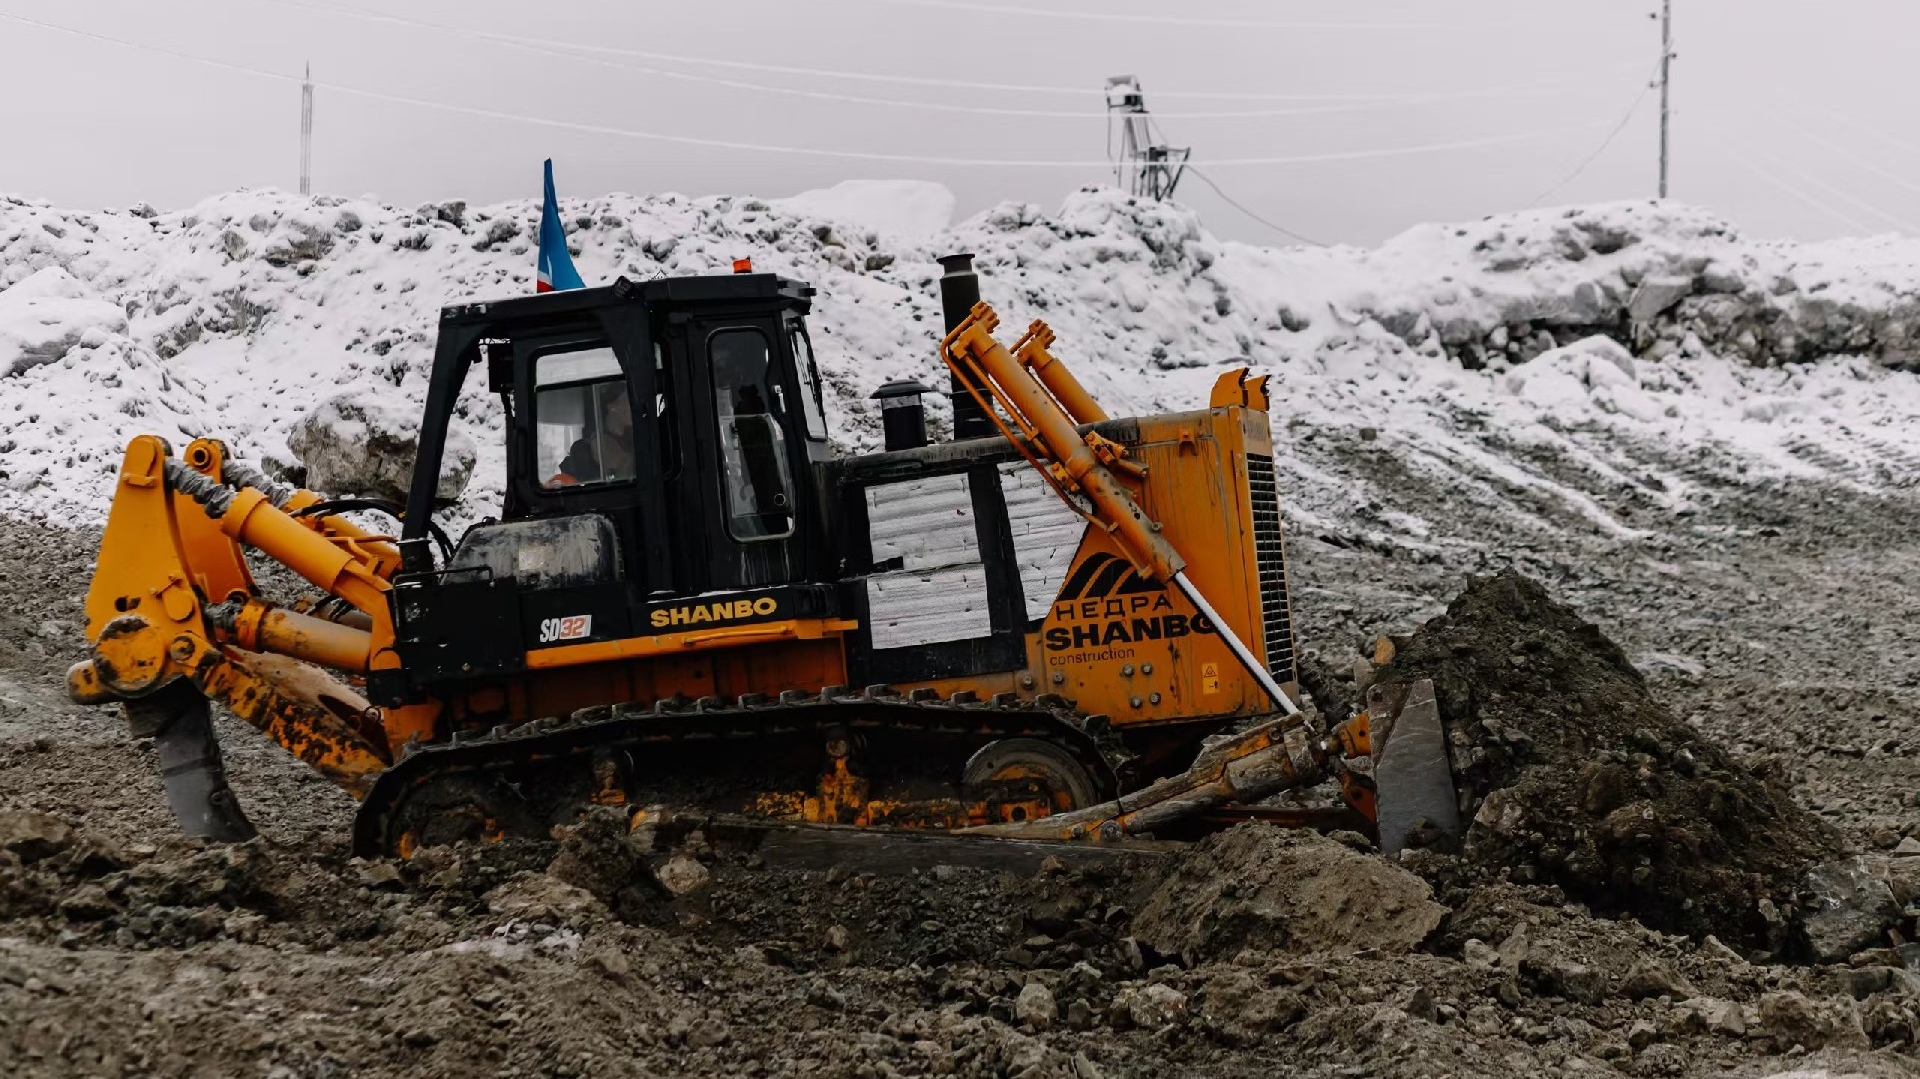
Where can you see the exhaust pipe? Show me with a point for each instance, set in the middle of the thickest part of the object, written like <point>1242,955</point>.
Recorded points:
<point>959,291</point>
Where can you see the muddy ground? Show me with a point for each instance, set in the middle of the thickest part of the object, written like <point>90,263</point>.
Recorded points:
<point>1771,619</point>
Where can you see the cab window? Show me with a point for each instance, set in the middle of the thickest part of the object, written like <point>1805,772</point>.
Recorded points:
<point>748,404</point>
<point>583,419</point>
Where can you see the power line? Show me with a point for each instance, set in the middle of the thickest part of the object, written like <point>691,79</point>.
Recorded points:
<point>1856,159</point>
<point>1158,20</point>
<point>572,48</point>
<point>1854,122</point>
<point>1856,203</point>
<point>1230,201</point>
<point>1601,149</point>
<point>1758,170</point>
<point>570,51</point>
<point>812,151</point>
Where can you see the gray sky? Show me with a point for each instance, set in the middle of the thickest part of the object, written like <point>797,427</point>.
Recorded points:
<point>1793,117</point>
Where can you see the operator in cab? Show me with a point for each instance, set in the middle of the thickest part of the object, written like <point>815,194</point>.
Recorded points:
<point>605,454</point>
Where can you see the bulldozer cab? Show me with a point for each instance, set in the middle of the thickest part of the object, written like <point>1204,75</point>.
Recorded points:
<point>661,443</point>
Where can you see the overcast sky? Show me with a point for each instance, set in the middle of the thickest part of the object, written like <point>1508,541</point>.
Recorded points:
<point>1793,117</point>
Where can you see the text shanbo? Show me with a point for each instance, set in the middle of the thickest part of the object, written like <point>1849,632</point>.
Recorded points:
<point>719,611</point>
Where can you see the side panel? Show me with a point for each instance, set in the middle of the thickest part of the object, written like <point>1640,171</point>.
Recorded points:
<point>1095,631</point>
<point>930,584</point>
<point>1046,535</point>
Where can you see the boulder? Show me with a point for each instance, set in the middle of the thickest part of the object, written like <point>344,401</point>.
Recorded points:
<point>34,836</point>
<point>361,443</point>
<point>681,873</point>
<point>1847,907</point>
<point>1789,1018</point>
<point>1656,294</point>
<point>1150,1007</point>
<point>1035,1007</point>
<point>49,314</point>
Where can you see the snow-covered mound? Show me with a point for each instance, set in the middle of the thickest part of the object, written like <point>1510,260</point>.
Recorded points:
<point>1468,352</point>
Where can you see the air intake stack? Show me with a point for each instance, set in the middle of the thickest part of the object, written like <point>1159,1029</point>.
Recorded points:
<point>959,291</point>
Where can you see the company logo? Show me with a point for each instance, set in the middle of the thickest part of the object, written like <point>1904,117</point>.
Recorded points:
<point>571,628</point>
<point>1105,603</point>
<point>1104,574</point>
<point>720,611</point>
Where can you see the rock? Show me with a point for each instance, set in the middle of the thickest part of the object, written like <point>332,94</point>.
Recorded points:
<point>48,314</point>
<point>681,874</point>
<point>1514,950</point>
<point>1652,978</point>
<point>379,874</point>
<point>1035,1007</point>
<point>1706,1015</point>
<point>1864,982</point>
<point>34,836</point>
<point>1713,948</point>
<point>1655,295</point>
<point>1848,908</point>
<point>299,243</point>
<point>88,903</point>
<point>500,231</point>
<point>1722,280</point>
<point>1907,847</point>
<point>1151,1007</point>
<point>1477,953</point>
<point>361,443</point>
<point>1640,1034</point>
<point>1790,1018</point>
<point>543,898</point>
<point>1564,978</point>
<point>1079,1015</point>
<point>1272,888</point>
<point>1242,1008</point>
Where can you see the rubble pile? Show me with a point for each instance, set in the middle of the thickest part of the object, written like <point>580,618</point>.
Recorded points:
<point>1574,775</point>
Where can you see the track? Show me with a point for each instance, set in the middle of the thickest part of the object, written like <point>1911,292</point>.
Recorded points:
<point>750,753</point>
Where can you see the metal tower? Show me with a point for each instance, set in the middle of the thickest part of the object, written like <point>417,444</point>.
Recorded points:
<point>306,132</point>
<point>1145,167</point>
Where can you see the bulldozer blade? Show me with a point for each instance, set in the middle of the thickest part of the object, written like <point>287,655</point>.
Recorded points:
<point>1413,781</point>
<point>782,845</point>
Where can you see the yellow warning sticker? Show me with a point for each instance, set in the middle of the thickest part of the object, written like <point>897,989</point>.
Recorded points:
<point>1209,678</point>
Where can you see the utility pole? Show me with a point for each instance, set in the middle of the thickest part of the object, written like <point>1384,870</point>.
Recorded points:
<point>1666,82</point>
<point>1145,167</point>
<point>306,132</point>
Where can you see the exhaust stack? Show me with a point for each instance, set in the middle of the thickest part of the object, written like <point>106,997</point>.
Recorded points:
<point>959,291</point>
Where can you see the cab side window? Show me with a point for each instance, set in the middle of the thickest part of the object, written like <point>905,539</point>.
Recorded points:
<point>582,418</point>
<point>748,403</point>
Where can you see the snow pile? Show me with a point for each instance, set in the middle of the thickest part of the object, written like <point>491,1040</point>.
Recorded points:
<point>1630,340</point>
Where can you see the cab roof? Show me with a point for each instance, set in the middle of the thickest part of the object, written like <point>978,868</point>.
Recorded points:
<point>667,292</point>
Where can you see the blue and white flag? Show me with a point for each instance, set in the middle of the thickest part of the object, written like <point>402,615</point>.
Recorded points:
<point>554,270</point>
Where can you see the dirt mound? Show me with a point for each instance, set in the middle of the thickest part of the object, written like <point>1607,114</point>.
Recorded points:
<point>1578,777</point>
<point>1270,889</point>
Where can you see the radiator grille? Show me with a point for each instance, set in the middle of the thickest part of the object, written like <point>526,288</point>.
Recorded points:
<point>1274,610</point>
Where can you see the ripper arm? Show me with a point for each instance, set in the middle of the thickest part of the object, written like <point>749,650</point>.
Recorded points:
<point>173,601</point>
